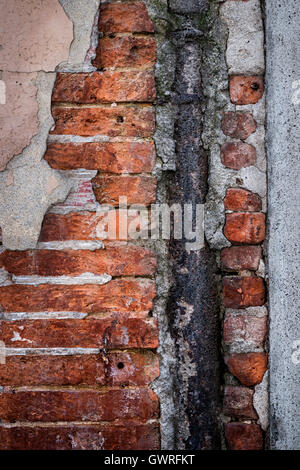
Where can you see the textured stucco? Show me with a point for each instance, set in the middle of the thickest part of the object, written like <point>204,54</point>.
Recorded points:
<point>37,38</point>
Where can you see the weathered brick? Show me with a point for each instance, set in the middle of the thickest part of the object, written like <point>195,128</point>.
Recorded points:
<point>126,436</point>
<point>104,87</point>
<point>242,200</point>
<point>130,121</point>
<point>246,90</point>
<point>113,157</point>
<point>237,258</point>
<point>241,436</point>
<point>137,189</point>
<point>115,331</point>
<point>78,405</point>
<point>240,292</point>
<point>120,295</point>
<point>86,226</point>
<point>125,18</point>
<point>237,155</point>
<point>238,403</point>
<point>248,368</point>
<point>238,125</point>
<point>125,51</point>
<point>245,328</point>
<point>245,227</point>
<point>106,369</point>
<point>116,260</point>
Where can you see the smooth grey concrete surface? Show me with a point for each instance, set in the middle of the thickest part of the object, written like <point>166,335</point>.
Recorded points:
<point>283,139</point>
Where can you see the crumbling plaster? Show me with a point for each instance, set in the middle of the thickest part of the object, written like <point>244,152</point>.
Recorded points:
<point>37,38</point>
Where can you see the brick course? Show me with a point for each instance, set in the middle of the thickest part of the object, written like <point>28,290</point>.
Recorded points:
<point>97,363</point>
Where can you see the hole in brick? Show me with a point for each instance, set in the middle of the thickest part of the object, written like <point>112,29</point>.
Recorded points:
<point>120,119</point>
<point>134,50</point>
<point>120,365</point>
<point>111,36</point>
<point>255,86</point>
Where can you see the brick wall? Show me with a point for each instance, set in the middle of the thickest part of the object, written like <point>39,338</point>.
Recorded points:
<point>76,312</point>
<point>242,263</point>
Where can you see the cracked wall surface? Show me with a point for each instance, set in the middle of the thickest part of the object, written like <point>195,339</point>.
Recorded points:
<point>37,37</point>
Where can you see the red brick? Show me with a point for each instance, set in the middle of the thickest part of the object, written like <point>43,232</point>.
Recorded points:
<point>120,295</point>
<point>246,90</point>
<point>137,189</point>
<point>241,436</point>
<point>82,226</point>
<point>240,292</point>
<point>248,368</point>
<point>115,121</point>
<point>125,18</point>
<point>245,328</point>
<point>237,155</point>
<point>111,332</point>
<point>245,228</point>
<point>238,125</point>
<point>114,260</point>
<point>125,51</point>
<point>127,436</point>
<point>112,157</point>
<point>242,200</point>
<point>106,369</point>
<point>104,87</point>
<point>78,405</point>
<point>237,258</point>
<point>238,403</point>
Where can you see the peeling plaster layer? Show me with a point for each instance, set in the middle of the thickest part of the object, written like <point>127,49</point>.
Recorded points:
<point>20,107</point>
<point>29,185</point>
<point>35,35</point>
<point>29,60</point>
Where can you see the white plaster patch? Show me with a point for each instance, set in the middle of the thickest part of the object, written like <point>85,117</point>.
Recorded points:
<point>245,47</point>
<point>2,92</point>
<point>261,401</point>
<point>49,351</point>
<point>17,337</point>
<point>5,279</point>
<point>85,278</point>
<point>72,245</point>
<point>17,316</point>
<point>250,311</point>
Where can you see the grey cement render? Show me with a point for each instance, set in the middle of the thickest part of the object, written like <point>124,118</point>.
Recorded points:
<point>283,139</point>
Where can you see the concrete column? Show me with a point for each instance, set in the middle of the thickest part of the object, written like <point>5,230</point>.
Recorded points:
<point>283,139</point>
